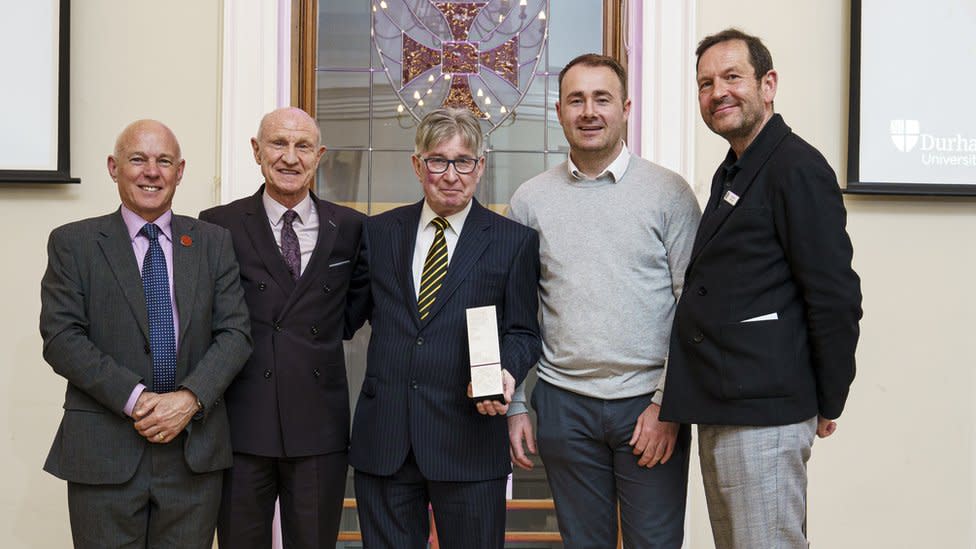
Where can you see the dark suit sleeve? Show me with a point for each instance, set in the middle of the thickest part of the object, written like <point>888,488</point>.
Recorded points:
<point>359,301</point>
<point>811,223</point>
<point>230,344</point>
<point>65,327</point>
<point>521,344</point>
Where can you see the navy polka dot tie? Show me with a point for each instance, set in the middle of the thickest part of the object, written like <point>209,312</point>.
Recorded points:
<point>162,340</point>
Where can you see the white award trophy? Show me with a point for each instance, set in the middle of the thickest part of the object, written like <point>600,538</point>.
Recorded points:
<point>486,362</point>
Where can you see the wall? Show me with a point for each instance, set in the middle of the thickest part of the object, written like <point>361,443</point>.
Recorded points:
<point>129,60</point>
<point>900,472</point>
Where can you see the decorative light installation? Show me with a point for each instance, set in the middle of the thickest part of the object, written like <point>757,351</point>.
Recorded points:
<point>436,52</point>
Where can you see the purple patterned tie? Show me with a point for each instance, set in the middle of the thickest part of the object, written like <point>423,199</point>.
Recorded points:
<point>289,245</point>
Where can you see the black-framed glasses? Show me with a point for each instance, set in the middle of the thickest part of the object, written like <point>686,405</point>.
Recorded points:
<point>462,166</point>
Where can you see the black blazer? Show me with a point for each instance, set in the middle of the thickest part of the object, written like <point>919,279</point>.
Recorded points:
<point>781,248</point>
<point>417,373</point>
<point>291,398</point>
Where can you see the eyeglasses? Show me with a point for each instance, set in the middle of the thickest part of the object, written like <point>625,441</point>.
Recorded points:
<point>462,166</point>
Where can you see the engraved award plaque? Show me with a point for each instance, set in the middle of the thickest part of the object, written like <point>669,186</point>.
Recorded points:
<point>486,366</point>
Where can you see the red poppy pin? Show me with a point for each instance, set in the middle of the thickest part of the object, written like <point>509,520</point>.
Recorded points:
<point>186,240</point>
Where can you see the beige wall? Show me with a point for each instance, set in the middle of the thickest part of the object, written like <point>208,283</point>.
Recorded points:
<point>901,470</point>
<point>129,60</point>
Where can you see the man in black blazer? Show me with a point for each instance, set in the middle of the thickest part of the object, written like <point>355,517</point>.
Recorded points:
<point>289,407</point>
<point>417,438</point>
<point>762,350</point>
<point>142,312</point>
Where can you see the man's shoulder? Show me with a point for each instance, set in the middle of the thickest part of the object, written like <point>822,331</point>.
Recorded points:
<point>395,215</point>
<point>86,228</point>
<point>223,211</point>
<point>649,173</point>
<point>507,225</point>
<point>538,186</point>
<point>342,213</point>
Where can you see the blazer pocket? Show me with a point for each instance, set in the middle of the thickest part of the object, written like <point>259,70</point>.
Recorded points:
<point>755,359</point>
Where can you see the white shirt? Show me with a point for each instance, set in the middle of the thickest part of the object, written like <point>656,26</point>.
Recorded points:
<point>425,237</point>
<point>615,170</point>
<point>306,225</point>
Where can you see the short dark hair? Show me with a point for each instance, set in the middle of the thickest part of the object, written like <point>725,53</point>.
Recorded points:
<point>596,60</point>
<point>759,56</point>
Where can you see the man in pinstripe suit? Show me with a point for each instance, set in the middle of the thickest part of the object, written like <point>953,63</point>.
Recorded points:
<point>417,438</point>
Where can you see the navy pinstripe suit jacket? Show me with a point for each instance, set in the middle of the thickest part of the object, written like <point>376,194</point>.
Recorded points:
<point>417,373</point>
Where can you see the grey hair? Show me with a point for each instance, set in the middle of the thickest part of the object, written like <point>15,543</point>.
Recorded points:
<point>442,124</point>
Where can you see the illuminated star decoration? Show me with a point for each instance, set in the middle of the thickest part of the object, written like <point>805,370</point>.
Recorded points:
<point>480,56</point>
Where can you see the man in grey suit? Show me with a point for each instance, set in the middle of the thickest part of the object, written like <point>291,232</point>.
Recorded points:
<point>143,313</point>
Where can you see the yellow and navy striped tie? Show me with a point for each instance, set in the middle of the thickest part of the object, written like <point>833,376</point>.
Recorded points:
<point>435,268</point>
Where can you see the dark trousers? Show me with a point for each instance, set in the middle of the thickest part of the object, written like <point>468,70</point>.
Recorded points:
<point>309,489</point>
<point>393,510</point>
<point>164,505</point>
<point>584,444</point>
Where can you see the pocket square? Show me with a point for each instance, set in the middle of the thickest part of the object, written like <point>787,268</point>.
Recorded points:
<point>337,263</point>
<point>769,316</point>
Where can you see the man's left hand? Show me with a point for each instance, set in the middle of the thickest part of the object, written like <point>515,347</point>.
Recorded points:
<point>653,440</point>
<point>493,407</point>
<point>825,427</point>
<point>170,414</point>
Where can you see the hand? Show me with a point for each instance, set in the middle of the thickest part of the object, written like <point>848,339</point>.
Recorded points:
<point>170,412</point>
<point>825,427</point>
<point>144,404</point>
<point>653,440</point>
<point>493,407</point>
<point>519,431</point>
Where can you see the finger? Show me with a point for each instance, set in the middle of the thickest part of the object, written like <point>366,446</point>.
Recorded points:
<point>517,453</point>
<point>470,391</point>
<point>637,431</point>
<point>530,442</point>
<point>480,406</point>
<point>668,452</point>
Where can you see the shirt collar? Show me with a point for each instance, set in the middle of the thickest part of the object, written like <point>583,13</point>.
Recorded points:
<point>427,215</point>
<point>616,169</point>
<point>134,223</point>
<point>276,210</point>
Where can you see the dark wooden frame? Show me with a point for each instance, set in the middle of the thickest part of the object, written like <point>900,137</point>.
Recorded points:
<point>63,172</point>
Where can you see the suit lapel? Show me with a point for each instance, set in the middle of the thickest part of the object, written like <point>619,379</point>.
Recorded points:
<point>116,246</point>
<point>404,240</point>
<point>318,262</point>
<point>187,259</point>
<point>262,240</point>
<point>765,144</point>
<point>472,243</point>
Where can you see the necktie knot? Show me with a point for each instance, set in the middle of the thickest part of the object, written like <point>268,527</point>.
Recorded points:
<point>150,231</point>
<point>289,217</point>
<point>440,223</point>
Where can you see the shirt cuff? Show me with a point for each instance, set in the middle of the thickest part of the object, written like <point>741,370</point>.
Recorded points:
<point>133,398</point>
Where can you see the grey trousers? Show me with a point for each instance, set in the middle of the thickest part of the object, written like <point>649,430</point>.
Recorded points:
<point>591,470</point>
<point>756,483</point>
<point>164,505</point>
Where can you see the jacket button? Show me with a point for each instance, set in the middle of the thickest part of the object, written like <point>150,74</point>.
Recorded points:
<point>277,326</point>
<point>414,385</point>
<point>267,374</point>
<point>699,337</point>
<point>316,373</point>
<point>420,341</point>
<point>702,291</point>
<point>315,330</point>
<point>262,286</point>
<point>326,288</point>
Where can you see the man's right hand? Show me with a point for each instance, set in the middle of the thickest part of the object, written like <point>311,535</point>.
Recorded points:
<point>519,432</point>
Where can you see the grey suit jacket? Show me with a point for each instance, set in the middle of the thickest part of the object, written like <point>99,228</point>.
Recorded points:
<point>96,335</point>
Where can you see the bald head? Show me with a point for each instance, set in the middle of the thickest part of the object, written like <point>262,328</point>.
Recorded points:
<point>147,166</point>
<point>155,128</point>
<point>291,116</point>
<point>288,148</point>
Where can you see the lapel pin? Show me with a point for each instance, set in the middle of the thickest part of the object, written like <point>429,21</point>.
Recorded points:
<point>731,198</point>
<point>186,241</point>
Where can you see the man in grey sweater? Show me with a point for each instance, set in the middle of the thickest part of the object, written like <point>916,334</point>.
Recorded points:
<point>616,233</point>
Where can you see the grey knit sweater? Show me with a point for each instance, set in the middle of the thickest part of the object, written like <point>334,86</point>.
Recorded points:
<point>613,262</point>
